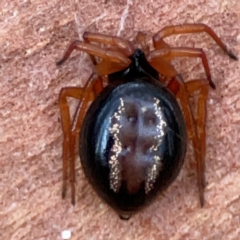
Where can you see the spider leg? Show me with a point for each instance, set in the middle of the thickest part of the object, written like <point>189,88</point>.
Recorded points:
<point>159,58</point>
<point>159,43</point>
<point>195,127</point>
<point>93,50</point>
<point>86,95</point>
<point>119,43</point>
<point>202,86</point>
<point>105,54</point>
<point>67,145</point>
<point>106,67</point>
<point>122,44</point>
<point>141,40</point>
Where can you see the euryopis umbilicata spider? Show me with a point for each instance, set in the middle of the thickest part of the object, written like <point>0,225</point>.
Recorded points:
<point>132,140</point>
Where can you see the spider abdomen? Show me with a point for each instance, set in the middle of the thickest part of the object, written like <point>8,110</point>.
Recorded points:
<point>132,143</point>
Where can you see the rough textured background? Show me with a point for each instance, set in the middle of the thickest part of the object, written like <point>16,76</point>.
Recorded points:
<point>33,35</point>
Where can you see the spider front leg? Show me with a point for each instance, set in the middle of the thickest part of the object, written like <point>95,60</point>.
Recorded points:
<point>159,43</point>
<point>120,43</point>
<point>195,126</point>
<point>117,57</point>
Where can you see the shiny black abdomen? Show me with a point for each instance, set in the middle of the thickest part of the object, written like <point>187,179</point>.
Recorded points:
<point>132,143</point>
<point>97,143</point>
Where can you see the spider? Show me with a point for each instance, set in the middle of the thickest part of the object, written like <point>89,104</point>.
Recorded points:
<point>132,138</point>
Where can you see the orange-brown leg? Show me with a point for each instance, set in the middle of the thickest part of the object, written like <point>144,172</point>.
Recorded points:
<point>159,43</point>
<point>107,67</point>
<point>68,145</point>
<point>122,44</point>
<point>141,41</point>
<point>109,55</point>
<point>70,131</point>
<point>202,86</point>
<point>195,127</point>
<point>157,60</point>
<point>160,58</point>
